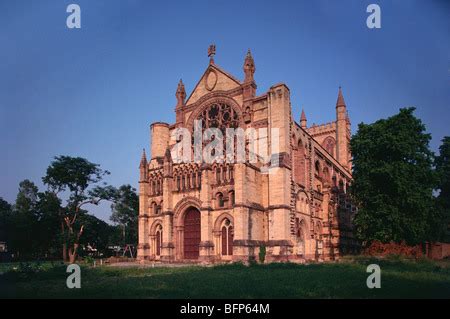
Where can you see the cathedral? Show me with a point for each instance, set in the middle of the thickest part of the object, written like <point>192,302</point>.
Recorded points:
<point>244,211</point>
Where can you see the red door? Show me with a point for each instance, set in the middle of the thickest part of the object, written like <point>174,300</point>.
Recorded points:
<point>191,234</point>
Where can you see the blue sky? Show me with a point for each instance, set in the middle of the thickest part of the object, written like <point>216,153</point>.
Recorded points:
<point>93,92</point>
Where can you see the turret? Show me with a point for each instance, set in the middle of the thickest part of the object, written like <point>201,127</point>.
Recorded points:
<point>249,67</point>
<point>249,85</point>
<point>303,120</point>
<point>160,136</point>
<point>342,138</point>
<point>181,97</point>
<point>143,167</point>
<point>180,94</point>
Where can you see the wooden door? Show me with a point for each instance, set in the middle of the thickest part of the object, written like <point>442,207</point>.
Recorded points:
<point>192,234</point>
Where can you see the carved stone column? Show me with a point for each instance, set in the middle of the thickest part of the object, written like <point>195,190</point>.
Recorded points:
<point>206,253</point>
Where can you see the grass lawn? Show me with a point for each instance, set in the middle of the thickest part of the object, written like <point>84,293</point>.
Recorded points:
<point>346,279</point>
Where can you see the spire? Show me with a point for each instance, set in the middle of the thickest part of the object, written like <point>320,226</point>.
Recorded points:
<point>211,53</point>
<point>249,67</point>
<point>303,116</point>
<point>342,138</point>
<point>180,94</point>
<point>340,100</point>
<point>143,160</point>
<point>303,119</point>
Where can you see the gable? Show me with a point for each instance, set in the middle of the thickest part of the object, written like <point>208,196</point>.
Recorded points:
<point>214,79</point>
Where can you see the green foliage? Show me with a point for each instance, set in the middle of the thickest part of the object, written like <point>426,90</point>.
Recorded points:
<point>442,164</point>
<point>30,227</point>
<point>48,235</point>
<point>393,180</point>
<point>35,227</point>
<point>23,221</point>
<point>5,216</point>
<point>262,254</point>
<point>98,233</point>
<point>29,267</point>
<point>89,260</point>
<point>125,211</point>
<point>75,174</point>
<point>78,180</point>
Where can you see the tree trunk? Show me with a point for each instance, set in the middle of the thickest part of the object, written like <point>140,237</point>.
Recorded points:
<point>64,246</point>
<point>64,252</point>
<point>73,250</point>
<point>73,253</point>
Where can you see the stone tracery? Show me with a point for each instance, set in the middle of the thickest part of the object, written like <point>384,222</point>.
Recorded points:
<point>219,115</point>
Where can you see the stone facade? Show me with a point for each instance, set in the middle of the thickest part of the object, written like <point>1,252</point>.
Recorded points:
<point>229,212</point>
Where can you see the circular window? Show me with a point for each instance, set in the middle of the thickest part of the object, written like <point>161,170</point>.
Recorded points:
<point>219,115</point>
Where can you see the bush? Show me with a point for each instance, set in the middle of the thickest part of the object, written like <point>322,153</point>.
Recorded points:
<point>25,270</point>
<point>89,260</point>
<point>262,254</point>
<point>377,248</point>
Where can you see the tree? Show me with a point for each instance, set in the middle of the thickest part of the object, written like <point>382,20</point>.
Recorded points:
<point>125,211</point>
<point>78,179</point>
<point>99,232</point>
<point>28,227</point>
<point>442,164</point>
<point>5,215</point>
<point>393,180</point>
<point>23,221</point>
<point>48,235</point>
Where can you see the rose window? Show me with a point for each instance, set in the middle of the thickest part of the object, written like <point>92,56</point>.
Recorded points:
<point>220,116</point>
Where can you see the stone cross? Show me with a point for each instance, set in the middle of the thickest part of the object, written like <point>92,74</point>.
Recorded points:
<point>212,52</point>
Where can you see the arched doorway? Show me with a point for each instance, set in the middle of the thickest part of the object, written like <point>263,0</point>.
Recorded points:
<point>191,233</point>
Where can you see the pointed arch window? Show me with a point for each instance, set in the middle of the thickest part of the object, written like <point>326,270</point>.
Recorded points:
<point>220,200</point>
<point>329,145</point>
<point>227,238</point>
<point>231,172</point>
<point>231,199</point>
<point>199,179</point>
<point>158,240</point>
<point>194,182</point>
<point>218,175</point>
